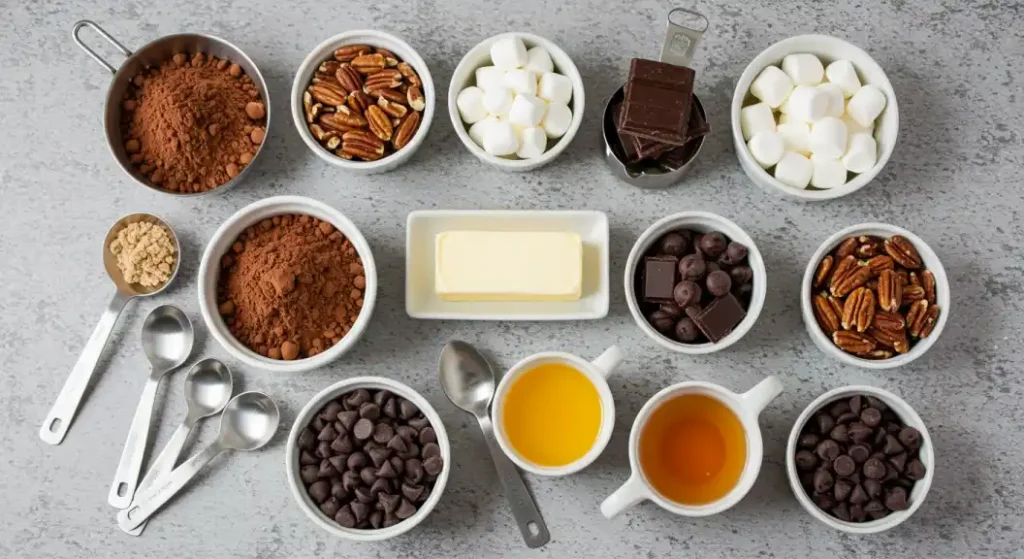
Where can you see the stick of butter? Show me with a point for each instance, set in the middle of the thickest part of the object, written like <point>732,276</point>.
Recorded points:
<point>508,266</point>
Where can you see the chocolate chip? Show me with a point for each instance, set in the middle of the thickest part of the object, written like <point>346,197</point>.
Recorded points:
<point>307,439</point>
<point>327,434</point>
<point>685,293</point>
<point>378,456</point>
<point>839,408</point>
<point>363,429</point>
<point>839,434</point>
<point>405,510</point>
<point>406,409</point>
<point>692,267</point>
<point>318,424</point>
<point>825,423</point>
<point>890,473</point>
<point>892,446</point>
<point>330,411</point>
<point>320,491</point>
<point>419,422</point>
<point>383,432</point>
<point>407,433</point>
<point>398,465</point>
<point>390,408</point>
<point>360,509</point>
<point>874,469</point>
<point>327,469</point>
<point>899,461</point>
<point>915,470</point>
<point>713,244</point>
<point>808,440</point>
<point>858,432</point>
<point>397,443</point>
<point>859,452</point>
<point>338,490</point>
<point>847,418</point>
<point>369,411</point>
<point>368,475</point>
<point>873,488</point>
<point>348,419</point>
<point>349,480</point>
<point>719,283</point>
<point>827,450</point>
<point>345,517</point>
<point>673,244</point>
<point>414,470</point>
<point>330,507</point>
<point>880,435</point>
<point>357,460</point>
<point>340,462</point>
<point>389,502</point>
<point>871,417</point>
<point>381,485</point>
<point>376,519</point>
<point>910,438</point>
<point>305,458</point>
<point>381,396</point>
<point>857,513</point>
<point>391,520</point>
<point>363,494</point>
<point>433,465</point>
<point>309,474</point>
<point>844,465</point>
<point>387,471</point>
<point>856,404</point>
<point>357,398</point>
<point>806,460</point>
<point>825,501</point>
<point>412,451</point>
<point>842,512</point>
<point>896,499</point>
<point>687,330</point>
<point>412,492</point>
<point>842,489</point>
<point>858,496</point>
<point>430,449</point>
<point>342,445</point>
<point>822,481</point>
<point>876,403</point>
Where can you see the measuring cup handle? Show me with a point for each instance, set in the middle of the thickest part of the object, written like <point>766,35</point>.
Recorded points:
<point>88,50</point>
<point>631,493</point>
<point>58,421</point>
<point>761,395</point>
<point>126,479</point>
<point>610,360</point>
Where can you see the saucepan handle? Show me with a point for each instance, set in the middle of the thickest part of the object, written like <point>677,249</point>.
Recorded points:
<point>88,50</point>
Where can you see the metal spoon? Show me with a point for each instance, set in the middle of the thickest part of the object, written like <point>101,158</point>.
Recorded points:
<point>249,421</point>
<point>58,421</point>
<point>468,381</point>
<point>167,340</point>
<point>207,390</point>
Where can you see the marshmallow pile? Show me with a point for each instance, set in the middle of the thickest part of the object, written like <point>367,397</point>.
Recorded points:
<point>518,103</point>
<point>825,123</point>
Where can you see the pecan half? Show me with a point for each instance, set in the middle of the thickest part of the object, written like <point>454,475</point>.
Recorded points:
<point>343,120</point>
<point>859,309</point>
<point>826,314</point>
<point>876,354</point>
<point>394,110</point>
<point>349,52</point>
<point>853,342</point>
<point>890,291</point>
<point>385,79</point>
<point>868,247</point>
<point>880,263</point>
<point>896,339</point>
<point>329,67</point>
<point>307,105</point>
<point>928,282</point>
<point>916,317</point>
<point>369,63</point>
<point>328,93</point>
<point>349,78</point>
<point>846,248</point>
<point>393,96</point>
<point>390,60</point>
<point>845,266</point>
<point>912,293</point>
<point>359,101</point>
<point>362,144</point>
<point>851,281</point>
<point>930,318</point>
<point>824,267</point>
<point>314,112</point>
<point>380,123</point>
<point>410,75</point>
<point>889,321</point>
<point>406,130</point>
<point>415,98</point>
<point>903,252</point>
<point>913,279</point>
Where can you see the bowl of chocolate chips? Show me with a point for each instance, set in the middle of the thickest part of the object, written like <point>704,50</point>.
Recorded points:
<point>367,459</point>
<point>860,459</point>
<point>695,282</point>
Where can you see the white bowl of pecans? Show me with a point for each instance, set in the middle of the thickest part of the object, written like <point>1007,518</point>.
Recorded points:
<point>874,295</point>
<point>363,101</point>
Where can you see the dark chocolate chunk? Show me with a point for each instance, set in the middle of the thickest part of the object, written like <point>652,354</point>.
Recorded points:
<point>719,283</point>
<point>713,244</point>
<point>319,491</point>
<point>692,267</point>
<point>686,293</point>
<point>661,321</point>
<point>657,101</point>
<point>659,279</point>
<point>674,243</point>
<point>718,319</point>
<point>686,330</point>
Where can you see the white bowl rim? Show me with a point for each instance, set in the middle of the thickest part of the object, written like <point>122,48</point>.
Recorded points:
<point>215,324</point>
<point>550,154</point>
<point>303,419</point>
<point>942,297</point>
<point>862,179</point>
<point>906,414</point>
<point>754,260</point>
<point>299,85</point>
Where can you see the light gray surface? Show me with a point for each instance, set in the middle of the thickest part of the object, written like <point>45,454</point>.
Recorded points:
<point>953,179</point>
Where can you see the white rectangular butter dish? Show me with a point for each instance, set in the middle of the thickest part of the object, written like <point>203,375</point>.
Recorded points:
<point>422,228</point>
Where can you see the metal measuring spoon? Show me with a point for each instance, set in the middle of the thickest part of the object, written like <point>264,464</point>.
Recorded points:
<point>207,390</point>
<point>167,338</point>
<point>249,422</point>
<point>468,381</point>
<point>58,421</point>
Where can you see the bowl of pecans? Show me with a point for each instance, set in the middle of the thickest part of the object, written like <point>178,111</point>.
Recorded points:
<point>363,101</point>
<point>875,295</point>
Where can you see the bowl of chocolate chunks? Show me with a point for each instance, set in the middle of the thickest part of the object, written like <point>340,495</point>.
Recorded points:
<point>695,282</point>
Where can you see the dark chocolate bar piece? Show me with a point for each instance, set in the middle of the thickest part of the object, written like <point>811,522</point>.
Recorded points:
<point>719,318</point>
<point>659,278</point>
<point>657,101</point>
<point>681,155</point>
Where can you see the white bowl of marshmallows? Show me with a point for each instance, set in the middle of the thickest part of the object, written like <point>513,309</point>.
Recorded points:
<point>516,101</point>
<point>814,117</point>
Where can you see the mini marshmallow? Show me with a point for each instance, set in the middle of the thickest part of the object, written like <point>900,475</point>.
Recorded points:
<point>532,142</point>
<point>555,88</point>
<point>836,101</point>
<point>557,120</point>
<point>797,136</point>
<point>794,169</point>
<point>767,148</point>
<point>538,61</point>
<point>755,119</point>
<point>520,81</point>
<point>771,86</point>
<point>479,129</point>
<point>489,77</point>
<point>498,100</point>
<point>806,104</point>
<point>471,105</point>
<point>827,173</point>
<point>527,110</point>
<point>828,138</point>
<point>500,139</point>
<point>803,68</point>
<point>508,52</point>
<point>843,74</point>
<point>862,153</point>
<point>866,105</point>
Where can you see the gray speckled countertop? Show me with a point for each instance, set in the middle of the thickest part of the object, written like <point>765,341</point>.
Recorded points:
<point>954,179</point>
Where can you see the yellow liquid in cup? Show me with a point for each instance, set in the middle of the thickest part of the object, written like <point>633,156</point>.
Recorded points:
<point>551,415</point>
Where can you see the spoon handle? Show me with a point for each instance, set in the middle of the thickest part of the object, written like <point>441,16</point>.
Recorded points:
<point>58,421</point>
<point>524,509</point>
<point>148,503</point>
<point>128,469</point>
<point>164,463</point>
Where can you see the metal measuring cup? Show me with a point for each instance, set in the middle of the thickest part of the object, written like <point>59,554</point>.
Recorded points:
<point>59,419</point>
<point>683,32</point>
<point>153,54</point>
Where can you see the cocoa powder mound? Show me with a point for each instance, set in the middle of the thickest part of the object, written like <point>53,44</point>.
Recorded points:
<point>291,286</point>
<point>192,125</point>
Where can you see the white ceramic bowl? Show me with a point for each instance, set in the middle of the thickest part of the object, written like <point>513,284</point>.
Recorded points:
<point>464,76</point>
<point>220,244</point>
<point>324,51</point>
<point>931,262</point>
<point>306,416</point>
<point>828,49</point>
<point>909,418</point>
<point>704,222</point>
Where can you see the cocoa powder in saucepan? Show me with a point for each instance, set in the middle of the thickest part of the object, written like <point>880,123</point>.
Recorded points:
<point>291,286</point>
<point>191,125</point>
